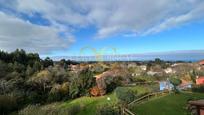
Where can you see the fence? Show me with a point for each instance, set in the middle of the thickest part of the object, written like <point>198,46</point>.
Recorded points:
<point>142,99</point>
<point>147,97</point>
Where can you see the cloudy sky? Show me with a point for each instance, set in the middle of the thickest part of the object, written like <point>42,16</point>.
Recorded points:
<point>66,27</point>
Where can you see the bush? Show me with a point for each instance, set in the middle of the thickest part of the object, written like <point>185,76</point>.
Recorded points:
<point>175,81</point>
<point>49,110</point>
<point>198,88</point>
<point>53,97</point>
<point>125,95</point>
<point>108,110</point>
<point>81,84</point>
<point>36,97</point>
<point>8,104</point>
<point>59,92</point>
<point>73,110</point>
<point>32,110</point>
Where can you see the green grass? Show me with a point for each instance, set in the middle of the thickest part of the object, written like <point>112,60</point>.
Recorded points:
<point>173,104</point>
<point>140,89</point>
<point>90,104</point>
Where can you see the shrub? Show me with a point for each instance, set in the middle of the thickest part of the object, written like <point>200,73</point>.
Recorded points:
<point>175,81</point>
<point>81,84</point>
<point>112,83</point>
<point>52,110</point>
<point>8,103</point>
<point>74,89</point>
<point>198,88</point>
<point>54,97</point>
<point>73,110</point>
<point>124,95</point>
<point>36,97</point>
<point>108,110</point>
<point>32,110</point>
<point>95,91</point>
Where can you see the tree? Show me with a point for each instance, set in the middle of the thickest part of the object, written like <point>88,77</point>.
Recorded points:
<point>158,61</point>
<point>86,79</point>
<point>41,81</point>
<point>29,71</point>
<point>18,67</point>
<point>63,63</point>
<point>19,56</point>
<point>74,88</point>
<point>47,62</point>
<point>37,66</point>
<point>175,82</point>
<point>124,95</point>
<point>4,69</point>
<point>82,83</point>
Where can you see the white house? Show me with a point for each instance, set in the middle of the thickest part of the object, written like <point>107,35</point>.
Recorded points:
<point>165,85</point>
<point>143,67</point>
<point>169,70</point>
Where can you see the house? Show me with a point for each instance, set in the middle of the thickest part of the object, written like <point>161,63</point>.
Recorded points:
<point>143,67</point>
<point>185,85</point>
<point>201,62</point>
<point>165,85</point>
<point>200,80</point>
<point>132,65</point>
<point>152,73</point>
<point>169,70</point>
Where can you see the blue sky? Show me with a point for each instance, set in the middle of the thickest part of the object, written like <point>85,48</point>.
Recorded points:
<point>64,28</point>
<point>186,37</point>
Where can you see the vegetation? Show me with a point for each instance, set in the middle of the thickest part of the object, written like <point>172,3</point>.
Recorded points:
<point>7,103</point>
<point>175,81</point>
<point>90,105</point>
<point>198,88</point>
<point>30,85</point>
<point>124,95</point>
<point>108,110</point>
<point>174,104</point>
<point>37,81</point>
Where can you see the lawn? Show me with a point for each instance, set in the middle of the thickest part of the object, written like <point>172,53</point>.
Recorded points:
<point>89,104</point>
<point>173,104</point>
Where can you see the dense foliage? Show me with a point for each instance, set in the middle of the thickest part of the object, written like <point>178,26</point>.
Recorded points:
<point>198,88</point>
<point>32,80</point>
<point>25,79</point>
<point>125,95</point>
<point>175,81</point>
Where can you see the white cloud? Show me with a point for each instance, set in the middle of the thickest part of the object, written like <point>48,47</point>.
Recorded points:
<point>16,33</point>
<point>114,16</point>
<point>194,14</point>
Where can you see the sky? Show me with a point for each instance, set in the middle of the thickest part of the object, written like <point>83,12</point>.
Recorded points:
<point>92,27</point>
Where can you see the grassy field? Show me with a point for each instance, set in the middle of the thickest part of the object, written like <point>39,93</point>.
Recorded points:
<point>173,104</point>
<point>89,104</point>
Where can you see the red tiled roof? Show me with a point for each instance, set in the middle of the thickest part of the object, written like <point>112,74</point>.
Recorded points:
<point>201,62</point>
<point>200,80</point>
